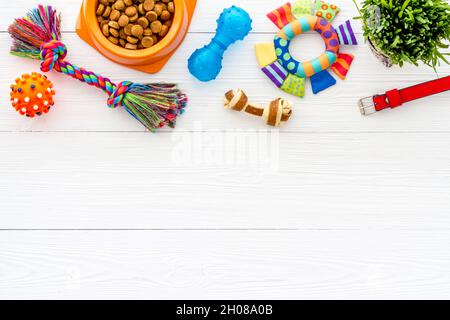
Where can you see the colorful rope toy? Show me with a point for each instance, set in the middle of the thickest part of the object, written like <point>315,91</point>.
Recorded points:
<point>37,36</point>
<point>293,19</point>
<point>32,95</point>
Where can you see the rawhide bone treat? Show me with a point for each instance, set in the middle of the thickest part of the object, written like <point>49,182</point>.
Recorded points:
<point>38,35</point>
<point>275,114</point>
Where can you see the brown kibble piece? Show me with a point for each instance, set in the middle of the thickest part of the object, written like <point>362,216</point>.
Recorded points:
<point>100,9</point>
<point>141,9</point>
<point>148,32</point>
<point>122,34</point>
<point>132,40</point>
<point>113,40</point>
<point>114,24</point>
<point>156,26</point>
<point>119,5</point>
<point>149,5</point>
<point>151,16</point>
<point>164,30</point>
<point>147,42</point>
<point>107,12</point>
<point>123,20</point>
<point>127,29</point>
<point>165,15</point>
<point>131,11</point>
<point>115,15</point>
<point>128,2</point>
<point>171,7</point>
<point>105,30</point>
<point>130,46</point>
<point>159,7</point>
<point>143,22</point>
<point>114,32</point>
<point>134,18</point>
<point>137,30</point>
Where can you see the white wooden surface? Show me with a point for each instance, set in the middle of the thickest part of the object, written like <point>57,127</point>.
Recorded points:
<point>340,206</point>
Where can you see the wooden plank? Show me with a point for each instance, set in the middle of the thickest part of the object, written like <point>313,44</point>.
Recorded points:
<point>224,180</point>
<point>315,264</point>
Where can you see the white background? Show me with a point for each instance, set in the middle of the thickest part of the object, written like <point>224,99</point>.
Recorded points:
<point>91,206</point>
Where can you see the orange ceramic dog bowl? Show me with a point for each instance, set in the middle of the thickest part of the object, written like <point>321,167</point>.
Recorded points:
<point>149,60</point>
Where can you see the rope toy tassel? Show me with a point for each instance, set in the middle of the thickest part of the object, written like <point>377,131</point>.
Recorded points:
<point>38,35</point>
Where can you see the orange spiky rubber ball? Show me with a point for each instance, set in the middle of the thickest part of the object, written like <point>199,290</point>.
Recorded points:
<point>32,95</point>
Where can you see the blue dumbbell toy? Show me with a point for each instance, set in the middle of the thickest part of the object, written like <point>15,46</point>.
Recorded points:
<point>233,24</point>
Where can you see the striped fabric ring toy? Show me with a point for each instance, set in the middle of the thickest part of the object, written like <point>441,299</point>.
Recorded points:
<point>293,19</point>
<point>296,28</point>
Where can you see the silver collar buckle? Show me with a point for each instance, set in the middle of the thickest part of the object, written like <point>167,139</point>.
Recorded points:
<point>367,106</point>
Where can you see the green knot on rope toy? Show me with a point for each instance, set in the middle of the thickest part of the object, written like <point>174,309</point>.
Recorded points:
<point>38,35</point>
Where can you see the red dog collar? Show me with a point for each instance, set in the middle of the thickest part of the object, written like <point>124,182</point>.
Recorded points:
<point>394,98</point>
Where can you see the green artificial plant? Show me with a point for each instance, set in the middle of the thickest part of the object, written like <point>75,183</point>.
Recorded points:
<point>410,31</point>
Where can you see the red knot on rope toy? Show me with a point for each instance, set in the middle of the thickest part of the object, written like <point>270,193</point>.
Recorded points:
<point>51,53</point>
<point>38,35</point>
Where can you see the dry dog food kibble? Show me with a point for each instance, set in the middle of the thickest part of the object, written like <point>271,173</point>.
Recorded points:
<point>135,24</point>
